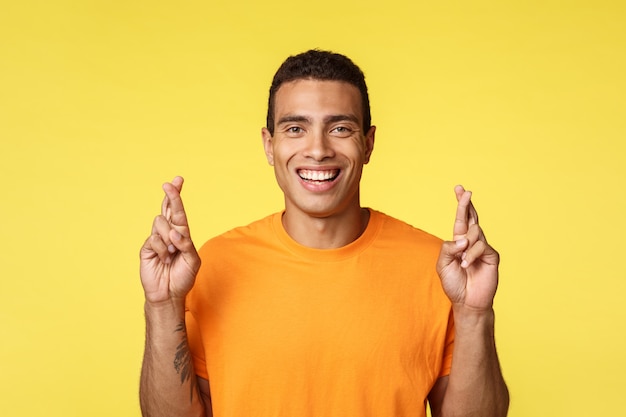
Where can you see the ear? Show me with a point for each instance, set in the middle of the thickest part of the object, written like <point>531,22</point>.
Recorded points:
<point>267,145</point>
<point>369,143</point>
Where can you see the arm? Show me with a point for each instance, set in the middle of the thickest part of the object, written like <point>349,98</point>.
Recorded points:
<point>169,264</point>
<point>468,268</point>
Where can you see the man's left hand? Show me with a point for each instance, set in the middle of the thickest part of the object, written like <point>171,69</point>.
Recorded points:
<point>467,265</point>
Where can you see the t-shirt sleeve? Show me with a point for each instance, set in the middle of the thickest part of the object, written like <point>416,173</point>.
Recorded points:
<point>196,346</point>
<point>446,364</point>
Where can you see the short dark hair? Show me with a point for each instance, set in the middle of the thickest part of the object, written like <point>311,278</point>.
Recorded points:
<point>319,65</point>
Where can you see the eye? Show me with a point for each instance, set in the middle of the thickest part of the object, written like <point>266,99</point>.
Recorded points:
<point>294,131</point>
<point>341,131</point>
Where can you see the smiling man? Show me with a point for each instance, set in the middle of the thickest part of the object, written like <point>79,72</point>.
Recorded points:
<point>318,148</point>
<point>326,308</point>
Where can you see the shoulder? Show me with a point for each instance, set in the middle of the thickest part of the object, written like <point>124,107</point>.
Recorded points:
<point>250,234</point>
<point>402,231</point>
<point>232,255</point>
<point>400,240</point>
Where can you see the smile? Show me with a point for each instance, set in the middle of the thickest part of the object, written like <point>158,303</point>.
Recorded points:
<point>318,175</point>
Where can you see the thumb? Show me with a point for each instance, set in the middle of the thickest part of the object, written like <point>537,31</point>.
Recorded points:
<point>186,247</point>
<point>450,253</point>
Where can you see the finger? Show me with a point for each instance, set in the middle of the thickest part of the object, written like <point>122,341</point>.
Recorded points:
<point>458,191</point>
<point>177,182</point>
<point>155,245</point>
<point>480,251</point>
<point>177,215</point>
<point>451,252</point>
<point>474,234</point>
<point>165,208</point>
<point>162,228</point>
<point>182,243</point>
<point>461,221</point>
<point>186,249</point>
<point>472,214</point>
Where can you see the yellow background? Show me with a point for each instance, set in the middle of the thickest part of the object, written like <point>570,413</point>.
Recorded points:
<point>102,101</point>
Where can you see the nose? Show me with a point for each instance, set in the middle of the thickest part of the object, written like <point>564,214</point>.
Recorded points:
<point>319,146</point>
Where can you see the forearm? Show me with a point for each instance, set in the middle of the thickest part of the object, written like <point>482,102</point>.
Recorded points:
<point>168,381</point>
<point>476,386</point>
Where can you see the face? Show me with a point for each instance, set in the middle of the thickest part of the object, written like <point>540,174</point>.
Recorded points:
<point>318,148</point>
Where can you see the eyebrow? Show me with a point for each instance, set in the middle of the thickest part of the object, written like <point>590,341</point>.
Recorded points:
<point>341,118</point>
<point>293,118</point>
<point>328,119</point>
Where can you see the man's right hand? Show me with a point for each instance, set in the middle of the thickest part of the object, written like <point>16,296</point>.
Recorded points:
<point>169,260</point>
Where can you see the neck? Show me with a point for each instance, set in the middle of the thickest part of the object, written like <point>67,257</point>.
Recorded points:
<point>326,232</point>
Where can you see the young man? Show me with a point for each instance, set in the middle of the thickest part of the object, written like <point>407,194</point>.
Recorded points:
<point>328,308</point>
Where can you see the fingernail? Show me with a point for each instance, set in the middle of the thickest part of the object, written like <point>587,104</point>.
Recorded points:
<point>171,248</point>
<point>461,242</point>
<point>177,236</point>
<point>464,264</point>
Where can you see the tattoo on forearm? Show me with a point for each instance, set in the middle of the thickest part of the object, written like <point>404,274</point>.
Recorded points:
<point>182,361</point>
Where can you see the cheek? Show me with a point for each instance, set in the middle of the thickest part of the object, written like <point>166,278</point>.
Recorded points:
<point>357,151</point>
<point>284,152</point>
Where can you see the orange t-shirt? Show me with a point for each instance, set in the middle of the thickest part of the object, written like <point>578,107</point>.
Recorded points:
<point>280,329</point>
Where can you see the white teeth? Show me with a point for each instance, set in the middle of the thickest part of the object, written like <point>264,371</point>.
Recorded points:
<point>310,175</point>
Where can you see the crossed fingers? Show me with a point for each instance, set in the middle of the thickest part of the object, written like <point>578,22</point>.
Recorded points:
<point>171,224</point>
<point>467,232</point>
<point>466,214</point>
